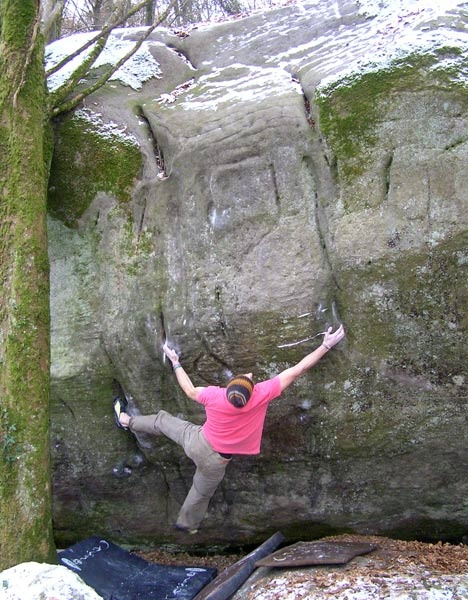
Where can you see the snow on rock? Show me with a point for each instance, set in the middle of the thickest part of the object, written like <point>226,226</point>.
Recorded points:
<point>385,31</point>
<point>400,27</point>
<point>239,62</point>
<point>41,581</point>
<point>107,130</point>
<point>247,83</point>
<point>134,72</point>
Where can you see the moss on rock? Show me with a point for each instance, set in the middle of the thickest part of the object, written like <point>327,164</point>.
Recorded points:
<point>412,311</point>
<point>90,157</point>
<point>350,108</point>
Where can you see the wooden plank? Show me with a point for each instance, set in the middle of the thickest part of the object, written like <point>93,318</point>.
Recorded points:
<point>230,580</point>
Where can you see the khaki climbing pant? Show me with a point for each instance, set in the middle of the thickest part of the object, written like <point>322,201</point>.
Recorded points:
<point>211,466</point>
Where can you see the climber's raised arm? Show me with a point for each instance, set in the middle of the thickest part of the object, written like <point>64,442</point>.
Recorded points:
<point>330,339</point>
<point>182,378</point>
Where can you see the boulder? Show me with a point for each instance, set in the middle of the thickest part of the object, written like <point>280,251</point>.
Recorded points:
<point>41,581</point>
<point>238,188</point>
<point>395,570</point>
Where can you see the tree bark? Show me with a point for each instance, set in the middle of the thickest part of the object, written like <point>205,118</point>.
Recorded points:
<point>25,144</point>
<point>149,13</point>
<point>52,11</point>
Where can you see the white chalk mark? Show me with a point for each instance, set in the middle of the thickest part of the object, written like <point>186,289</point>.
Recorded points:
<point>301,341</point>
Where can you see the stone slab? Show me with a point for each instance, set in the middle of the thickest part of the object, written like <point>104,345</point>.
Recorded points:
<point>315,553</point>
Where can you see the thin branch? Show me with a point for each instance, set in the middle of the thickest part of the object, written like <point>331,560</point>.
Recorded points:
<point>103,32</point>
<point>73,102</point>
<point>58,96</point>
<point>78,12</point>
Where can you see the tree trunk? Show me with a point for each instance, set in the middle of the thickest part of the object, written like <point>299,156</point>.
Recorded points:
<point>149,13</point>
<point>52,12</point>
<point>97,14</point>
<point>25,143</point>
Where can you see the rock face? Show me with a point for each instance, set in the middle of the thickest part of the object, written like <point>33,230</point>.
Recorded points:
<point>395,570</point>
<point>271,174</point>
<point>37,581</point>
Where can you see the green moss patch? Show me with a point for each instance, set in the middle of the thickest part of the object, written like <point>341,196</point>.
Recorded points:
<point>90,158</point>
<point>411,312</point>
<point>350,108</point>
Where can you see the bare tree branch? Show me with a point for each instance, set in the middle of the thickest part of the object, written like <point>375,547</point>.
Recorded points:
<point>58,95</point>
<point>103,32</point>
<point>73,102</point>
<point>80,13</point>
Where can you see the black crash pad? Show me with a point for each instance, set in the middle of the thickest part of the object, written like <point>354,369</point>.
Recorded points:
<point>315,553</point>
<point>116,574</point>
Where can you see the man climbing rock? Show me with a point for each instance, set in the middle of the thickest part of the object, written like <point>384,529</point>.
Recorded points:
<point>235,415</point>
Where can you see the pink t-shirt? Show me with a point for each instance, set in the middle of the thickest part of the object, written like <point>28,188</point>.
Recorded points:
<point>234,430</point>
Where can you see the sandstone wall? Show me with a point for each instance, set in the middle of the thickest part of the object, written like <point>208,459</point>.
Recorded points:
<point>288,170</point>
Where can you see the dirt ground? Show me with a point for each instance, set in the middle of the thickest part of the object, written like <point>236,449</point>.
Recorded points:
<point>219,561</point>
<point>390,556</point>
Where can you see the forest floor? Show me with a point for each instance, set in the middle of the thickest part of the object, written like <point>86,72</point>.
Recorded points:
<point>395,554</point>
<point>394,570</point>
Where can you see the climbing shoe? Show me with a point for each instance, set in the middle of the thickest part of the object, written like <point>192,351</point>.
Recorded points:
<point>120,406</point>
<point>185,529</point>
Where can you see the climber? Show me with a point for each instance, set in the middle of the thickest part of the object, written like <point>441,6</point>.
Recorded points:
<point>234,424</point>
